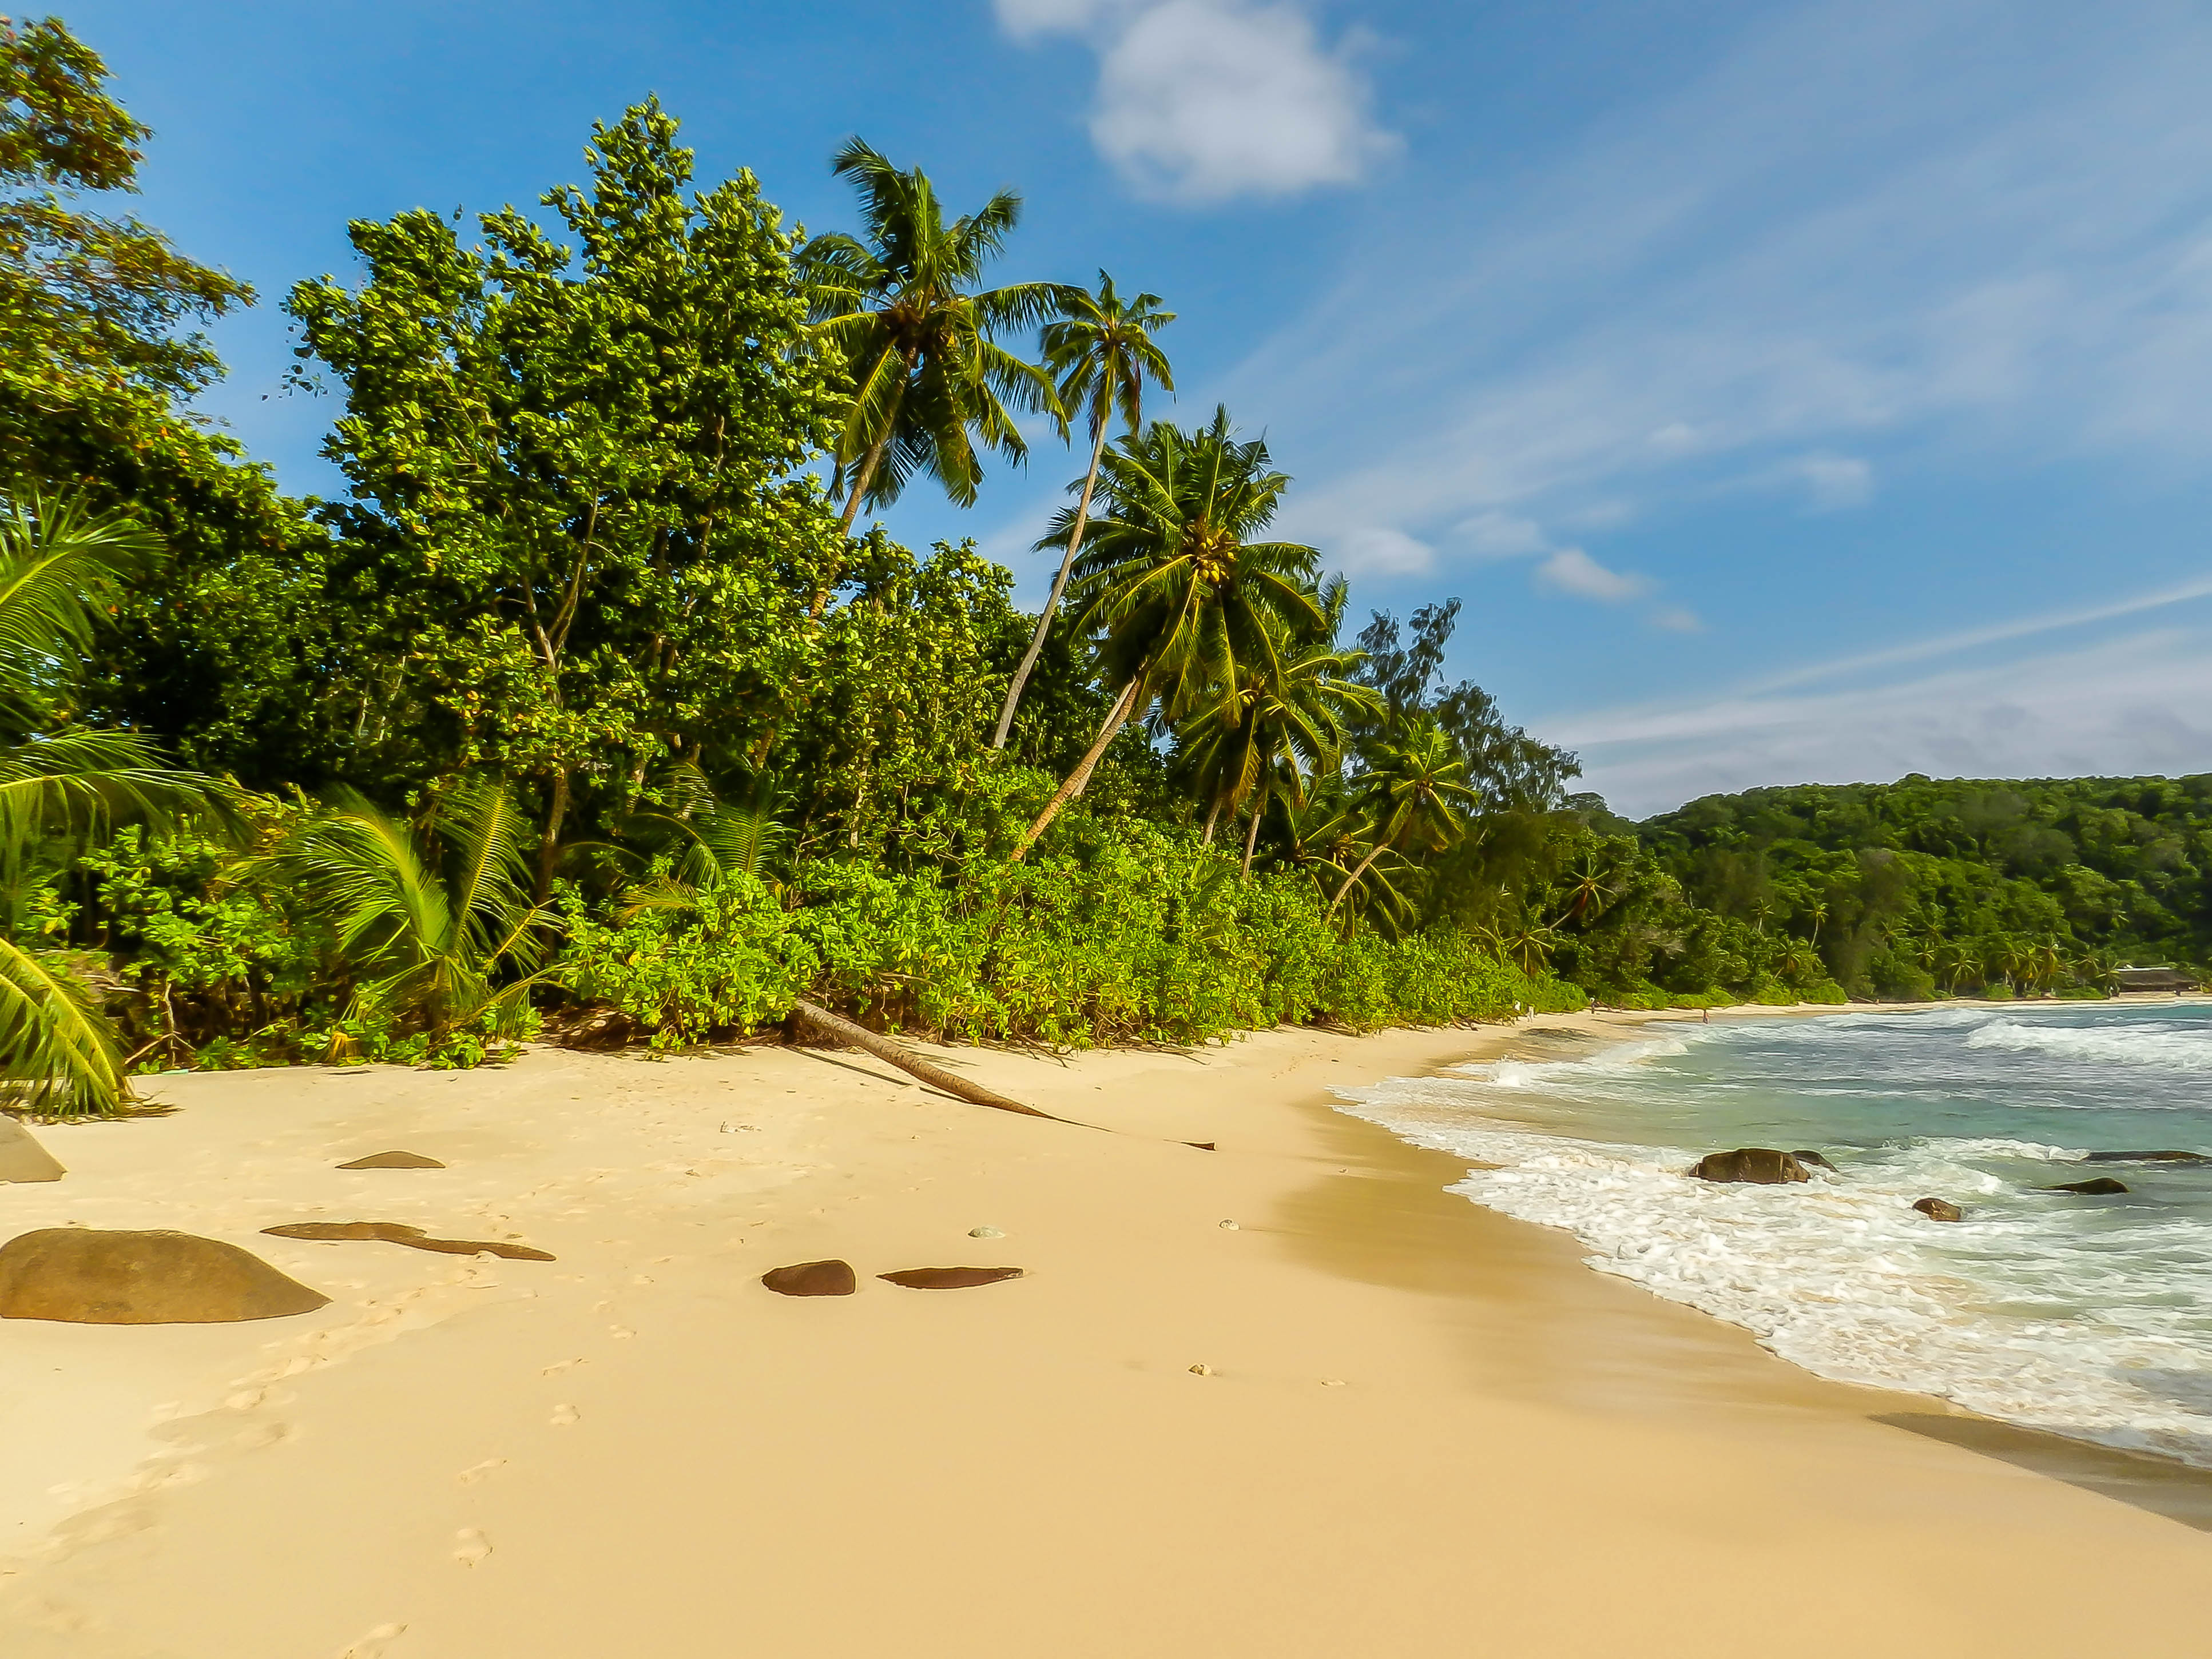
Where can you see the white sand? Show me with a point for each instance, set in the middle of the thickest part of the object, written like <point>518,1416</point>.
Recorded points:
<point>1427,1431</point>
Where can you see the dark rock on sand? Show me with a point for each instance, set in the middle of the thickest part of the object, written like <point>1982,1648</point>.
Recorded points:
<point>2147,1157</point>
<point>2102,1186</point>
<point>393,1232</point>
<point>94,1276</point>
<point>393,1161</point>
<point>1760,1164</point>
<point>1939,1209</point>
<point>21,1157</point>
<point>949,1278</point>
<point>812,1278</point>
<point>1815,1161</point>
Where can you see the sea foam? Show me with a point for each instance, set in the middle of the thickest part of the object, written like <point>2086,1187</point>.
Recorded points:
<point>2043,1311</point>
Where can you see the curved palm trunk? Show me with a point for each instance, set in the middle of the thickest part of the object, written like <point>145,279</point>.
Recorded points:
<point>1212,817</point>
<point>1059,585</point>
<point>1076,780</point>
<point>1352,880</point>
<point>1252,835</point>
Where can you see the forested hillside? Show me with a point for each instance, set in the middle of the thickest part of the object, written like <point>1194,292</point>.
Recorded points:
<point>1923,886</point>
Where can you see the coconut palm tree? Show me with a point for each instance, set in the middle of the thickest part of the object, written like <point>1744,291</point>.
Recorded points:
<point>427,923</point>
<point>1416,788</point>
<point>1295,705</point>
<point>1102,349</point>
<point>902,309</point>
<point>1177,594</point>
<point>62,568</point>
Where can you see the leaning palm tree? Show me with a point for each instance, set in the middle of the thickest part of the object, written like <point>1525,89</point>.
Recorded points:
<point>1178,597</point>
<point>1416,789</point>
<point>62,568</point>
<point>920,339</point>
<point>427,927</point>
<point>1103,350</point>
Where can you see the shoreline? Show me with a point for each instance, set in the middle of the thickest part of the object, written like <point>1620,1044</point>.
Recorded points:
<point>1422,1417</point>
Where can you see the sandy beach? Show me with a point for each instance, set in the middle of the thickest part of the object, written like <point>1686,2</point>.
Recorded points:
<point>1369,1418</point>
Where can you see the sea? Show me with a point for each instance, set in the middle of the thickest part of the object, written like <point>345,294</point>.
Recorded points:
<point>2088,1316</point>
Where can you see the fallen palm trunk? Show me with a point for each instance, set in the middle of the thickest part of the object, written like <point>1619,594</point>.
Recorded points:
<point>909,1061</point>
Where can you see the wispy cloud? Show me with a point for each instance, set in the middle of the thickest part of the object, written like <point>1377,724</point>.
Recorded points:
<point>1571,570</point>
<point>2111,706</point>
<point>1864,225</point>
<point>1201,100</point>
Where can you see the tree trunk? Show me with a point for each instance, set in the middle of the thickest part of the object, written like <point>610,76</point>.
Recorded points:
<point>1213,816</point>
<point>549,851</point>
<point>1359,870</point>
<point>1081,775</point>
<point>1252,835</point>
<point>909,1061</point>
<point>1059,585</point>
<point>861,480</point>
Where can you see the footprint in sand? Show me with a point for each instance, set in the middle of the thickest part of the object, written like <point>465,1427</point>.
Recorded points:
<point>471,1546</point>
<point>476,1472</point>
<point>560,1365</point>
<point>563,1415</point>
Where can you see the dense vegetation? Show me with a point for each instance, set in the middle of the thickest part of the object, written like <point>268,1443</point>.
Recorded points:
<point>597,708</point>
<point>1920,887</point>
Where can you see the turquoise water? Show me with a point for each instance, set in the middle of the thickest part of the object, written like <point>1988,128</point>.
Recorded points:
<point>2088,1316</point>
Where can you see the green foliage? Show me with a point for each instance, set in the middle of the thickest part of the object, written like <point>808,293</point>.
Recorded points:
<point>1149,939</point>
<point>1920,887</point>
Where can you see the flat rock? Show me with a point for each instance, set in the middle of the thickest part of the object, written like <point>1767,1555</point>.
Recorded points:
<point>812,1278</point>
<point>949,1278</point>
<point>2102,1186</point>
<point>393,1161</point>
<point>1939,1209</point>
<point>394,1232</point>
<point>2147,1157</point>
<point>1762,1165</point>
<point>21,1157</point>
<point>1815,1161</point>
<point>96,1276</point>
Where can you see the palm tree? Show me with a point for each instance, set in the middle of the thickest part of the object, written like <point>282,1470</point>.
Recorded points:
<point>62,568</point>
<point>1102,351</point>
<point>1295,703</point>
<point>902,310</point>
<point>1180,600</point>
<point>426,927</point>
<point>1413,788</point>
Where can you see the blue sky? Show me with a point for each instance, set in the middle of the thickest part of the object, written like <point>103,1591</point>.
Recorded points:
<point>1797,390</point>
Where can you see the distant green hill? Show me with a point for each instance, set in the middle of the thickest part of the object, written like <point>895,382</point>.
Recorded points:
<point>1921,886</point>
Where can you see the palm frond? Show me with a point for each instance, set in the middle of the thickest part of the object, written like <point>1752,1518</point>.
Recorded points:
<point>59,1056</point>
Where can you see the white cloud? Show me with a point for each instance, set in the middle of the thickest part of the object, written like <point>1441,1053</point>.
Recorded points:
<point>1677,619</point>
<point>1502,536</point>
<point>1201,100</point>
<point>1379,551</point>
<point>1571,570</point>
<point>1835,481</point>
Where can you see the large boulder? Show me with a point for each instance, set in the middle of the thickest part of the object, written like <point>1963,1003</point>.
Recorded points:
<point>2102,1186</point>
<point>21,1157</point>
<point>92,1276</point>
<point>1761,1164</point>
<point>1939,1209</point>
<point>1815,1161</point>
<point>2147,1157</point>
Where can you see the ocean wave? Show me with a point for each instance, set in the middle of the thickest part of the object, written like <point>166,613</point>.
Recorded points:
<point>2103,1335</point>
<point>2168,1049</point>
